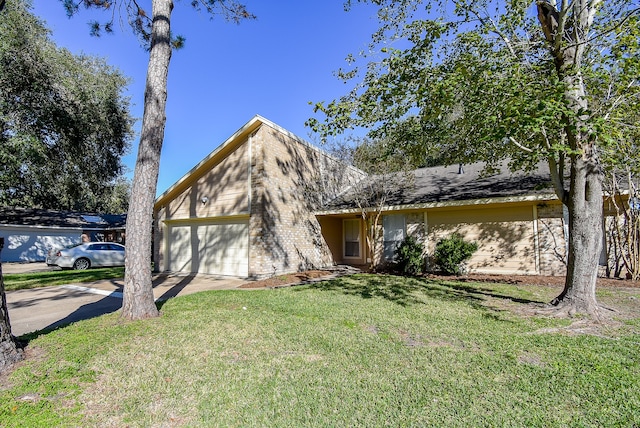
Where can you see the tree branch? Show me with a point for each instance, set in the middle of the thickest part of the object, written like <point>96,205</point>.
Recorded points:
<point>497,31</point>
<point>618,25</point>
<point>617,101</point>
<point>556,178</point>
<point>517,144</point>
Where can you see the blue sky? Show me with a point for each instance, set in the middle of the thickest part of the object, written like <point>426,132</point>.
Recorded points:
<point>227,73</point>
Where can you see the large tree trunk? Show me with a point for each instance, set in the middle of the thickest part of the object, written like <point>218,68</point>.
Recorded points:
<point>10,352</point>
<point>585,239</point>
<point>138,301</point>
<point>583,200</point>
<point>567,34</point>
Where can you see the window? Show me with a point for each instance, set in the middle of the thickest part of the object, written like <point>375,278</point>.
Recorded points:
<point>394,233</point>
<point>351,238</point>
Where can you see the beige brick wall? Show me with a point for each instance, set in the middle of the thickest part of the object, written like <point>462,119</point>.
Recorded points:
<point>285,235</point>
<point>551,240</point>
<point>505,236</point>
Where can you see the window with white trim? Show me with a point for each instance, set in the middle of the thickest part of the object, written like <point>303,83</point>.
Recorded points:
<point>395,229</point>
<point>351,238</point>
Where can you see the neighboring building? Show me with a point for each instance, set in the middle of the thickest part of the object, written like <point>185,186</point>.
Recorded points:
<point>30,233</point>
<point>265,203</point>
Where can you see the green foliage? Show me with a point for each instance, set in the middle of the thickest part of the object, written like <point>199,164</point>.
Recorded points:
<point>520,83</point>
<point>451,252</point>
<point>64,120</point>
<point>480,82</point>
<point>140,16</point>
<point>409,256</point>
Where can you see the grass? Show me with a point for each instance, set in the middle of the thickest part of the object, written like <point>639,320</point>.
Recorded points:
<point>364,350</point>
<point>21,281</point>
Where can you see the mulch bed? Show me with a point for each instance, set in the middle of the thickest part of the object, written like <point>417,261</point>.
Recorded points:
<point>556,281</point>
<point>286,279</point>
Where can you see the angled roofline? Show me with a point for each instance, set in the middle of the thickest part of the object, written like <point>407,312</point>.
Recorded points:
<point>212,158</point>
<point>223,150</point>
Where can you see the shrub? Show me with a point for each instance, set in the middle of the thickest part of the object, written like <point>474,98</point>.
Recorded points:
<point>451,252</point>
<point>409,256</point>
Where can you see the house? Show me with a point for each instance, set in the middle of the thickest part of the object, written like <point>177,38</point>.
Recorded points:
<point>248,208</point>
<point>267,202</point>
<point>30,233</point>
<point>515,218</point>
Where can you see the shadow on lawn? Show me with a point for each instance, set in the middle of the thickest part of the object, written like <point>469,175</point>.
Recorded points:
<point>411,291</point>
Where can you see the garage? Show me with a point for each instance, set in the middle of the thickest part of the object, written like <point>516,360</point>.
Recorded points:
<point>30,233</point>
<point>215,248</point>
<point>31,244</point>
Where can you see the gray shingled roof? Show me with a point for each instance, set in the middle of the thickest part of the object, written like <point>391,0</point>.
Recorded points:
<point>446,184</point>
<point>50,218</point>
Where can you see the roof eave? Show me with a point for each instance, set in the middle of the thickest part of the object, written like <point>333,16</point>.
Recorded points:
<point>446,204</point>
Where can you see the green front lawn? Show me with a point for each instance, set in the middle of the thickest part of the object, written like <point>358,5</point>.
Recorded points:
<point>21,281</point>
<point>362,351</point>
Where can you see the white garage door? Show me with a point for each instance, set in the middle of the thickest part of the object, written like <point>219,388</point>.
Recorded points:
<point>23,244</point>
<point>218,249</point>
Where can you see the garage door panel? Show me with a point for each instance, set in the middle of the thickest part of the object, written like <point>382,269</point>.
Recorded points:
<point>180,248</point>
<point>29,245</point>
<point>222,248</point>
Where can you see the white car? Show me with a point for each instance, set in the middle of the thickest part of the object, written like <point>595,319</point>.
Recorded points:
<point>85,256</point>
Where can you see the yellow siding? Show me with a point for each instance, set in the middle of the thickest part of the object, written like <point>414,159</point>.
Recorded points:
<point>504,237</point>
<point>225,186</point>
<point>332,232</point>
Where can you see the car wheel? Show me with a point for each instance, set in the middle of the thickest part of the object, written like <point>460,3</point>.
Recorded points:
<point>82,264</point>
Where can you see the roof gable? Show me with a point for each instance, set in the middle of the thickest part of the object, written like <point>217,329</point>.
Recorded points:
<point>224,150</point>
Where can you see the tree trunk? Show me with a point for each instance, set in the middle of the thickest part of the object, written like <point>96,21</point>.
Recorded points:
<point>584,203</point>
<point>10,352</point>
<point>585,239</point>
<point>138,301</point>
<point>567,31</point>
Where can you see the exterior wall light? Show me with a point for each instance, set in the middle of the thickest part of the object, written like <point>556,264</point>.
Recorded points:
<point>204,200</point>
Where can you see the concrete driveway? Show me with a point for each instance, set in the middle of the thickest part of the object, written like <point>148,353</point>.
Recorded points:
<point>50,307</point>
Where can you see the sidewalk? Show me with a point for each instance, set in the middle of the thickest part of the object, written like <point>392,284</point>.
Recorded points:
<point>167,285</point>
<point>50,307</point>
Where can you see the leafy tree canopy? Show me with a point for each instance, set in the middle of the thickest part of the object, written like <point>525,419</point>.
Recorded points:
<point>64,121</point>
<point>139,15</point>
<point>477,80</point>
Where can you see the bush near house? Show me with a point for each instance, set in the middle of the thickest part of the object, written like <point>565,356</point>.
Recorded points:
<point>409,256</point>
<point>452,252</point>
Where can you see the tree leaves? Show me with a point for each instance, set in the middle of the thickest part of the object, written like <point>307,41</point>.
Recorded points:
<point>64,122</point>
<point>479,80</point>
